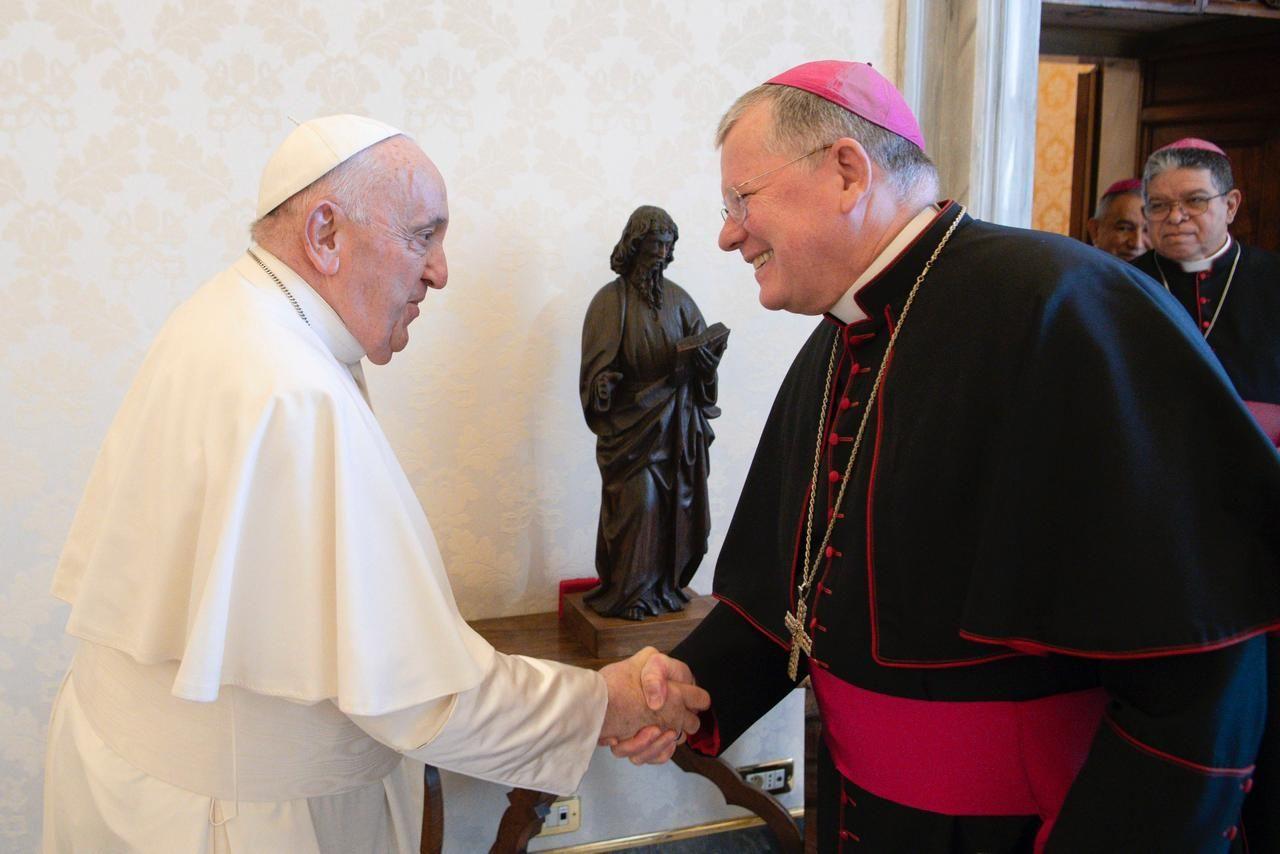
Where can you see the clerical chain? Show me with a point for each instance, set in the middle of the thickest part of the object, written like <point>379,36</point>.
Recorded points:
<point>289,296</point>
<point>800,639</point>
<point>1225,288</point>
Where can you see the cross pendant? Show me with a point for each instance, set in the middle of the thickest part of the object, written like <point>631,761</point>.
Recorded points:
<point>799,639</point>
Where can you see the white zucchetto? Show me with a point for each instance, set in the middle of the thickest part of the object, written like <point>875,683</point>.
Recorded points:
<point>313,149</point>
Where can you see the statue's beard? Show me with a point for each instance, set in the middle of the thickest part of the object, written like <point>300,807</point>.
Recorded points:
<point>649,283</point>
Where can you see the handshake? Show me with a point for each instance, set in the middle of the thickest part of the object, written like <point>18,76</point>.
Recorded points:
<point>653,706</point>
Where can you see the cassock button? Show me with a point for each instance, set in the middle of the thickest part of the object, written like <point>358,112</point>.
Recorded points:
<point>845,403</point>
<point>833,439</point>
<point>1204,324</point>
<point>831,551</point>
<point>1230,833</point>
<point>1247,785</point>
<point>1204,300</point>
<point>833,476</point>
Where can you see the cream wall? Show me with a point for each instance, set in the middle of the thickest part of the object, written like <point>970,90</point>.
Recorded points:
<point>131,136</point>
<point>1118,130</point>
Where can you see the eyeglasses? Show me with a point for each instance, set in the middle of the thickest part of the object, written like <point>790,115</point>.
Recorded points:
<point>1158,209</point>
<point>735,201</point>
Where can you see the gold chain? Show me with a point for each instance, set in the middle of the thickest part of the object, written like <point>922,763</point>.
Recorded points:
<point>811,569</point>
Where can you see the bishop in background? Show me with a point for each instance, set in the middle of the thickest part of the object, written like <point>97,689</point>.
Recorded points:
<point>648,388</point>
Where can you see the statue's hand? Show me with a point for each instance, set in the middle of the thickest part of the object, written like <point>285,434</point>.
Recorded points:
<point>653,705</point>
<point>606,381</point>
<point>706,361</point>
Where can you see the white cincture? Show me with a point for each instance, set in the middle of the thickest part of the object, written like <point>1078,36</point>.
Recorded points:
<point>241,747</point>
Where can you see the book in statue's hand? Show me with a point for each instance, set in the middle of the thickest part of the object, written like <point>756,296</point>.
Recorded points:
<point>713,336</point>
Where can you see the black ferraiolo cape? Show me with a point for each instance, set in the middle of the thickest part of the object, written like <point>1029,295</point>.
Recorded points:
<point>1245,336</point>
<point>1055,465</point>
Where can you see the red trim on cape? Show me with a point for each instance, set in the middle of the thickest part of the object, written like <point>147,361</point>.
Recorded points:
<point>829,456</point>
<point>744,615</point>
<point>1177,760</point>
<point>871,581</point>
<point>946,204</point>
<point>1032,647</point>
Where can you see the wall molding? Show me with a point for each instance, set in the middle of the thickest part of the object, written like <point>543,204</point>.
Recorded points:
<point>968,68</point>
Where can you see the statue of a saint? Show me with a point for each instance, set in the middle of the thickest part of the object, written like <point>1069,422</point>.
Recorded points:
<point>648,387</point>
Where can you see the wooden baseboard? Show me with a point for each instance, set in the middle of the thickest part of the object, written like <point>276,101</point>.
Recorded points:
<point>661,836</point>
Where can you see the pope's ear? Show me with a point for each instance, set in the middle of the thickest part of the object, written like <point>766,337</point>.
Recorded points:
<point>853,164</point>
<point>320,237</point>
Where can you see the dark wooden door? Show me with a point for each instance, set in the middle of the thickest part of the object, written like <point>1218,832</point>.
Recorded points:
<point>1227,92</point>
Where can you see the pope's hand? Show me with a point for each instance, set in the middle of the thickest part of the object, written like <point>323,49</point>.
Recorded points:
<point>653,705</point>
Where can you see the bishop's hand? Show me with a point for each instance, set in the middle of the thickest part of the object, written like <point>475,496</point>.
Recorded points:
<point>653,705</point>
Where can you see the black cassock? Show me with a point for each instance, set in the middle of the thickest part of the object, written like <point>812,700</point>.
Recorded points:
<point>1061,516</point>
<point>1246,325</point>
<point>652,448</point>
<point>1236,302</point>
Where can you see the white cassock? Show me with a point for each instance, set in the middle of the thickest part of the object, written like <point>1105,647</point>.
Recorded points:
<point>269,645</point>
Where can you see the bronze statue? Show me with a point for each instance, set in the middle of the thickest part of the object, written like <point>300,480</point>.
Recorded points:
<point>648,388</point>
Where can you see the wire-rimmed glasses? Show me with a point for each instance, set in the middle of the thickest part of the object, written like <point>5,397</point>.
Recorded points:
<point>735,201</point>
<point>1159,209</point>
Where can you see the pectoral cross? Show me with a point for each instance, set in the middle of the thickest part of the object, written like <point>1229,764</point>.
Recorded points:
<point>799,639</point>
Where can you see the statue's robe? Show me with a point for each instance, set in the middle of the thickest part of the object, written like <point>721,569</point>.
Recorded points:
<point>652,448</point>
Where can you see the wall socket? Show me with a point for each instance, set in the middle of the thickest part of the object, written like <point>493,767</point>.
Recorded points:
<point>563,816</point>
<point>774,777</point>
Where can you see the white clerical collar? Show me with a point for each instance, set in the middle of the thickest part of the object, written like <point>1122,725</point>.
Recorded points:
<point>847,308</point>
<point>324,321</point>
<point>1206,263</point>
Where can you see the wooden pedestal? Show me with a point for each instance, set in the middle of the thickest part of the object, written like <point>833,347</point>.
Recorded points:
<point>614,637</point>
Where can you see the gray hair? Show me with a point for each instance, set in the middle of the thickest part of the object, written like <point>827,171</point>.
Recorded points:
<point>1190,158</point>
<point>352,184</point>
<point>803,122</point>
<point>1105,200</point>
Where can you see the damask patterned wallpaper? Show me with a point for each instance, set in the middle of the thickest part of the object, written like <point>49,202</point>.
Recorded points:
<point>1055,144</point>
<point>132,133</point>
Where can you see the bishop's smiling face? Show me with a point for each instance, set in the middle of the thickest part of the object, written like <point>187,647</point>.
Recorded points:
<point>791,219</point>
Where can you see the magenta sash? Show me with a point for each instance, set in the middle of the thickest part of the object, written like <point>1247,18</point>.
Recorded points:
<point>960,758</point>
<point>1268,417</point>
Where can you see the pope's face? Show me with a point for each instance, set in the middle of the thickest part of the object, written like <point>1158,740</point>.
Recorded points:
<point>1190,237</point>
<point>1122,228</point>
<point>398,256</point>
<point>790,220</point>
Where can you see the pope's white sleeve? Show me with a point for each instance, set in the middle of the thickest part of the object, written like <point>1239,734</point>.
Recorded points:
<point>529,723</point>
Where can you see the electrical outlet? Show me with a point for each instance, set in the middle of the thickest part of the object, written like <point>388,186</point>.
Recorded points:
<point>563,816</point>
<point>774,777</point>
